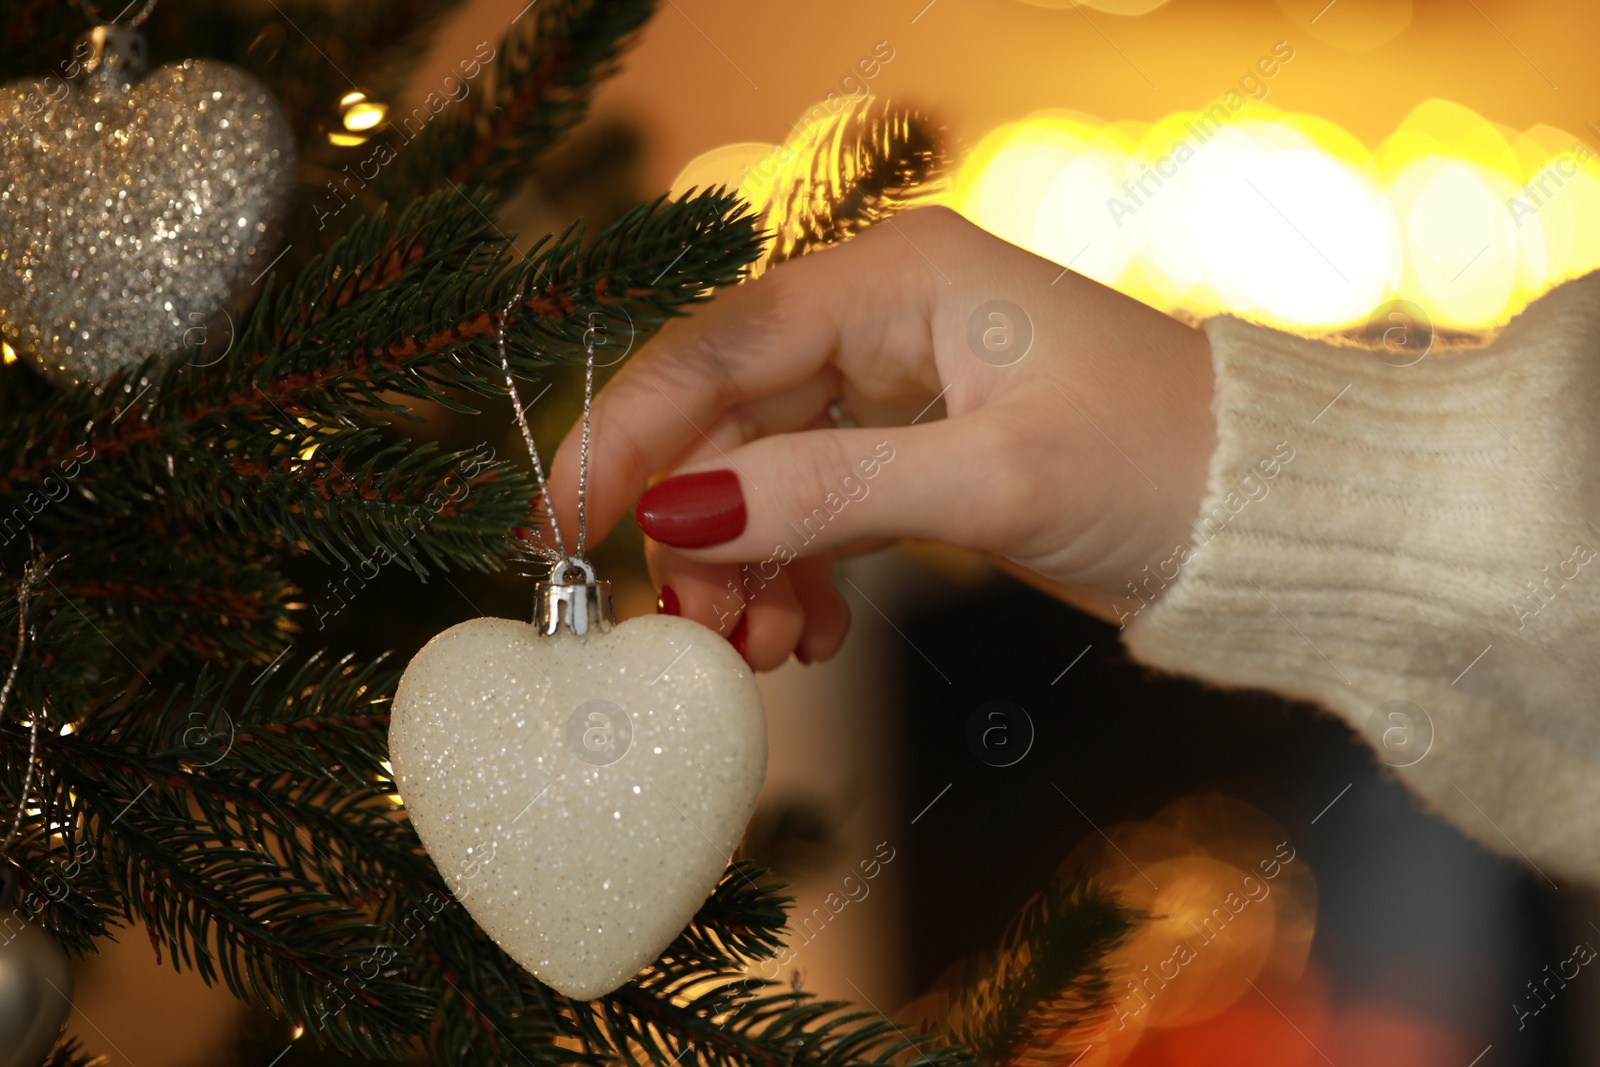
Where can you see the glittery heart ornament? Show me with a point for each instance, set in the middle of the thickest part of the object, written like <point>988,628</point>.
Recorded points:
<point>136,211</point>
<point>580,793</point>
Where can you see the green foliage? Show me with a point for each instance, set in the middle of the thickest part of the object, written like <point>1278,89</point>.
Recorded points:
<point>1020,1005</point>
<point>546,70</point>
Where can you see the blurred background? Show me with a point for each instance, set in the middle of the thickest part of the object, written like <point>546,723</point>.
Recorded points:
<point>1431,160</point>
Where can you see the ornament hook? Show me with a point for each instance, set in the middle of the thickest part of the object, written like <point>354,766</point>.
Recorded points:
<point>118,57</point>
<point>560,601</point>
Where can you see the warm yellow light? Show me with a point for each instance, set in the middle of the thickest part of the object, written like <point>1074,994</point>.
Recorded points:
<point>364,116</point>
<point>1461,244</point>
<point>730,165</point>
<point>1044,186</point>
<point>394,798</point>
<point>8,353</point>
<point>346,140</point>
<point>1289,219</point>
<point>352,98</point>
<point>1292,235</point>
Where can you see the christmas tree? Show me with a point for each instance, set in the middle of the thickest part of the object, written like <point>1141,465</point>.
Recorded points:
<point>177,746</point>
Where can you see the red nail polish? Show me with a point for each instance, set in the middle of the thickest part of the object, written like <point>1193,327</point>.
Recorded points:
<point>667,602</point>
<point>693,510</point>
<point>741,637</point>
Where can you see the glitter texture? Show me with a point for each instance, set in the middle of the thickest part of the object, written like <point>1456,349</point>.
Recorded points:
<point>134,218</point>
<point>583,871</point>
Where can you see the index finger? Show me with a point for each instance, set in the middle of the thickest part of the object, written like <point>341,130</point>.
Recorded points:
<point>862,302</point>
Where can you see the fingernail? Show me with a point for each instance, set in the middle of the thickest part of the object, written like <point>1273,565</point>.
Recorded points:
<point>693,510</point>
<point>667,602</point>
<point>741,637</point>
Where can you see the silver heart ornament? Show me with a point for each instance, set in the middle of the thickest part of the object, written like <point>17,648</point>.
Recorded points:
<point>580,794</point>
<point>35,994</point>
<point>136,211</point>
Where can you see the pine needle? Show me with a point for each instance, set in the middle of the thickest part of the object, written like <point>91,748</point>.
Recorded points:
<point>851,171</point>
<point>1029,1003</point>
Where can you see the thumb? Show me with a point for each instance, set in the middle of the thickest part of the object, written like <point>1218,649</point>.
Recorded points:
<point>801,494</point>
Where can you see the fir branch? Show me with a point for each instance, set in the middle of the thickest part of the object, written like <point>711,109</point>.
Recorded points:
<point>70,664</point>
<point>205,607</point>
<point>220,903</point>
<point>349,498</point>
<point>742,919</point>
<point>728,1020</point>
<point>430,321</point>
<point>483,1015</point>
<point>147,592</point>
<point>1019,1006</point>
<point>864,165</point>
<point>248,830</point>
<point>544,75</point>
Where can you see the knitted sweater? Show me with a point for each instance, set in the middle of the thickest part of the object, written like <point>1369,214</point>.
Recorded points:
<point>1374,534</point>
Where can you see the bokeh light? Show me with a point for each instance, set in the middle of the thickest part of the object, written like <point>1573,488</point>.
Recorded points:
<point>1289,220</point>
<point>364,116</point>
<point>359,118</point>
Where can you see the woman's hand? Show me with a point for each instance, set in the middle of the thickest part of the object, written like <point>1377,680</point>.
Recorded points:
<point>1079,464</point>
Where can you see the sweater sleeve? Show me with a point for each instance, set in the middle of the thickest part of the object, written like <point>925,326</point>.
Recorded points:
<point>1416,549</point>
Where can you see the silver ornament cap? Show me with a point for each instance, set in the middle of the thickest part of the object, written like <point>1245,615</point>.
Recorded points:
<point>118,57</point>
<point>35,994</point>
<point>577,607</point>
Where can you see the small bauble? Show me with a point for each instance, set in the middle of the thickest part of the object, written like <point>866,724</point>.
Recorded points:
<point>581,795</point>
<point>35,994</point>
<point>136,211</point>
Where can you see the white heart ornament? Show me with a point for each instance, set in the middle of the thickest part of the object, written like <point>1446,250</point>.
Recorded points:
<point>580,795</point>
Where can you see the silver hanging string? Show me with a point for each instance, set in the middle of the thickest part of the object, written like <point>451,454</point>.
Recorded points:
<point>552,554</point>
<point>35,572</point>
<point>556,555</point>
<point>583,450</point>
